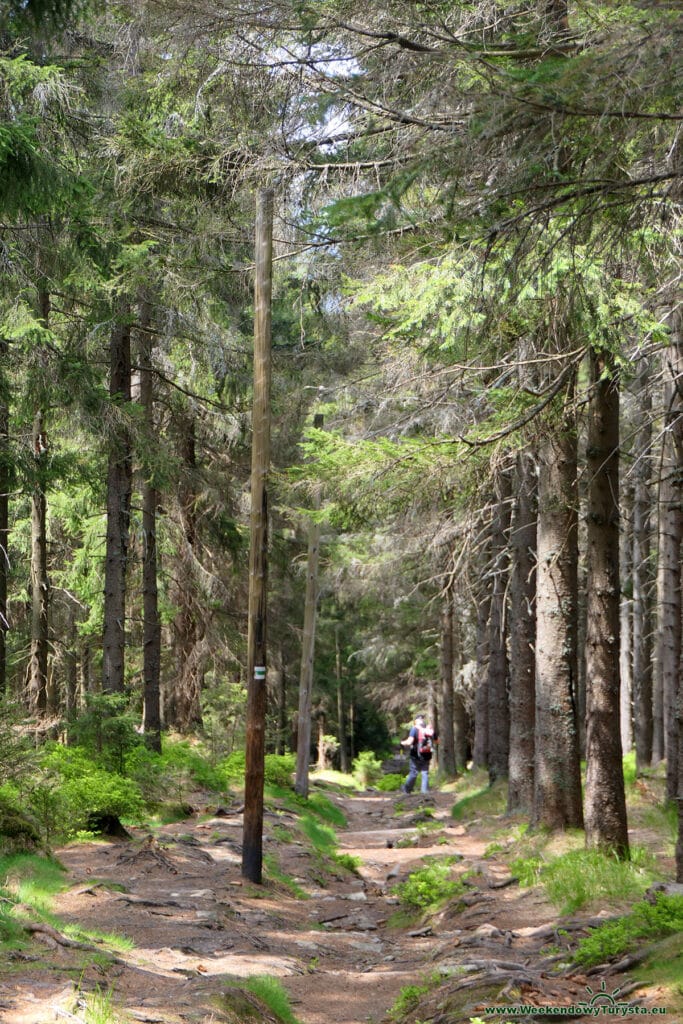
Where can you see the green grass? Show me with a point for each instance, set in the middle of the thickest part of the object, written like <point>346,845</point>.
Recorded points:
<point>99,1008</point>
<point>662,971</point>
<point>271,992</point>
<point>31,880</point>
<point>477,797</point>
<point>334,779</point>
<point>580,878</point>
<point>409,998</point>
<point>326,810</point>
<point>646,921</point>
<point>321,837</point>
<point>12,935</point>
<point>272,871</point>
<point>316,804</point>
<point>114,941</point>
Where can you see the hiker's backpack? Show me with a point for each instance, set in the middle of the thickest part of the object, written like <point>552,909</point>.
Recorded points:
<point>425,743</point>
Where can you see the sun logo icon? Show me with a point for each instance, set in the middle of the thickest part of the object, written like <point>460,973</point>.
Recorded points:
<point>602,997</point>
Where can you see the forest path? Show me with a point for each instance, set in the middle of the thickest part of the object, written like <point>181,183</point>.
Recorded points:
<point>195,924</point>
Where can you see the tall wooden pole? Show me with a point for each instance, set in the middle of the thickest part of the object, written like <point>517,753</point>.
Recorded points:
<point>252,841</point>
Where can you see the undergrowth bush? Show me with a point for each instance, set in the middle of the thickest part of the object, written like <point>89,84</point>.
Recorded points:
<point>646,921</point>
<point>389,783</point>
<point>430,886</point>
<point>71,789</point>
<point>367,768</point>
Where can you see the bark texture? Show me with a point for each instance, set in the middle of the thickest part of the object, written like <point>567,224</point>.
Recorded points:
<point>626,616</point>
<point>37,681</point>
<point>446,735</point>
<point>480,753</point>
<point>642,575</point>
<point>5,484</point>
<point>557,780</point>
<point>119,486</point>
<point>151,626</point>
<point>522,637</point>
<point>605,805</point>
<point>183,704</point>
<point>498,696</point>
<point>668,653</point>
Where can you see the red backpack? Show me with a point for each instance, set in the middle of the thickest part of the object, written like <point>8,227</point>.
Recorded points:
<point>425,743</point>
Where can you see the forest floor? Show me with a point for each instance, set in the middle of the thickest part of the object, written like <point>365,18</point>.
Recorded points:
<point>343,954</point>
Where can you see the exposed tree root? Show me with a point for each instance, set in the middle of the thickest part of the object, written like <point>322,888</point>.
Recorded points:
<point>150,848</point>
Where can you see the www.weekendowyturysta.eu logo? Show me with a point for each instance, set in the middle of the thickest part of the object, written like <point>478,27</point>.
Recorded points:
<point>600,1003</point>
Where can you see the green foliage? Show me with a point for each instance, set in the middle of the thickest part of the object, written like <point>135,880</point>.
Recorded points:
<point>367,768</point>
<point>321,837</point>
<point>349,861</point>
<point>17,756</point>
<point>28,880</point>
<point>12,934</point>
<point>389,783</point>
<point>326,810</point>
<point>99,1008</point>
<point>188,764</point>
<point>74,789</point>
<point>630,774</point>
<point>647,921</point>
<point>107,728</point>
<point>42,12</point>
<point>273,871</point>
<point>271,992</point>
<point>18,834</point>
<point>233,767</point>
<point>409,998</point>
<point>279,768</point>
<point>430,886</point>
<point>486,799</point>
<point>583,877</point>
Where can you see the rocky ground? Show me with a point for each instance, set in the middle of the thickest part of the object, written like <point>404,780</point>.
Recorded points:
<point>197,928</point>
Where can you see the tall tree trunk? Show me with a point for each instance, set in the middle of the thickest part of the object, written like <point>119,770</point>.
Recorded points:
<point>626,618</point>
<point>446,733</point>
<point>151,627</point>
<point>522,637</point>
<point>433,718</point>
<point>557,780</point>
<point>668,655</point>
<point>341,705</point>
<point>321,719</point>
<point>605,814</point>
<point>183,705</point>
<point>71,667</point>
<point>642,574</point>
<point>307,653</point>
<point>461,718</point>
<point>40,588</point>
<point>37,673</point>
<point>5,484</point>
<point>119,486</point>
<point>280,744</point>
<point>499,704</point>
<point>480,753</point>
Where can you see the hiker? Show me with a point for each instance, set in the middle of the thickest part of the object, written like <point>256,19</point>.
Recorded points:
<point>421,741</point>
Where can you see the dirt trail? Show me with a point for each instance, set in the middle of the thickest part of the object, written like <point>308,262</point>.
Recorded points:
<point>194,923</point>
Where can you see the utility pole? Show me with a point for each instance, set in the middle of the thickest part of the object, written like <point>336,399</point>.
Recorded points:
<point>252,839</point>
<point>303,745</point>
